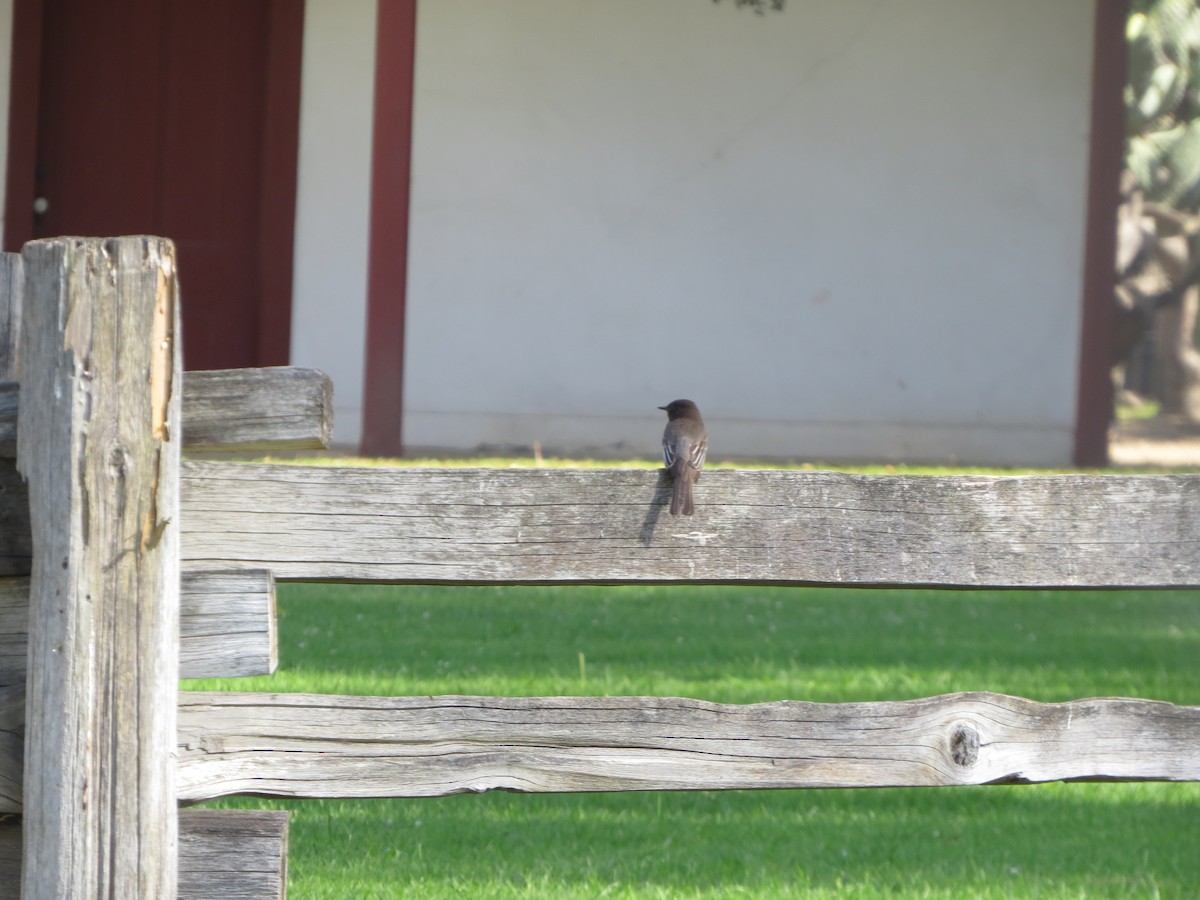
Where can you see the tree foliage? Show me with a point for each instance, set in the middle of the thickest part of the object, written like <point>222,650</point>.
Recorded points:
<point>1162,100</point>
<point>1158,251</point>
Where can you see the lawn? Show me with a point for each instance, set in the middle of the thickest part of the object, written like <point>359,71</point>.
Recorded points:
<point>744,644</point>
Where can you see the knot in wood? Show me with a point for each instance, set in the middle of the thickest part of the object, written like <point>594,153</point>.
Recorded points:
<point>964,745</point>
<point>118,464</point>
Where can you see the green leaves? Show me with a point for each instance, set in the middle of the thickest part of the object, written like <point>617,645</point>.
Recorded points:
<point>1162,100</point>
<point>1164,74</point>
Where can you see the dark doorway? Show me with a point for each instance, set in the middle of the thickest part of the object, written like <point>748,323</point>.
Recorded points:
<point>175,118</point>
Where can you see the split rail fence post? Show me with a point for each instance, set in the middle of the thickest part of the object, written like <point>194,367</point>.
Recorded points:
<point>98,442</point>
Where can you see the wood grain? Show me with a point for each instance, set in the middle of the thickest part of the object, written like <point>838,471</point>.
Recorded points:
<point>310,746</point>
<point>531,525</point>
<point>227,625</point>
<point>233,854</point>
<point>12,747</point>
<point>98,442</point>
<point>245,410</point>
<point>9,395</point>
<point>507,525</point>
<point>295,745</point>
<point>16,549</point>
<point>12,280</point>
<point>274,409</point>
<point>233,410</point>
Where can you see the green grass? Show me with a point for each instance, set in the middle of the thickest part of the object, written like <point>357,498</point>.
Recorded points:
<point>550,462</point>
<point>1146,410</point>
<point>735,644</point>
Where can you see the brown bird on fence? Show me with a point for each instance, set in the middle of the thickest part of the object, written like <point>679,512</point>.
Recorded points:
<point>685,444</point>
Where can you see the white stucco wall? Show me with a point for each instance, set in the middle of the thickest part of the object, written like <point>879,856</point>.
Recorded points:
<point>333,201</point>
<point>861,220</point>
<point>851,230</point>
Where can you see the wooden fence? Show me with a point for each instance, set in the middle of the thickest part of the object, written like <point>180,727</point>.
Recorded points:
<point>123,566</point>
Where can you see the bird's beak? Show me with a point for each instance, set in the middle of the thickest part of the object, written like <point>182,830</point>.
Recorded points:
<point>662,407</point>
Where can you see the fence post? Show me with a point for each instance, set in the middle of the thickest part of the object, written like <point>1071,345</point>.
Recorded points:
<point>98,443</point>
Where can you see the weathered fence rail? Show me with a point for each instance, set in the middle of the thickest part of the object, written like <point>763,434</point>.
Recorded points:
<point>514,525</point>
<point>225,854</point>
<point>237,410</point>
<point>72,611</point>
<point>326,523</point>
<point>320,746</point>
<point>227,625</point>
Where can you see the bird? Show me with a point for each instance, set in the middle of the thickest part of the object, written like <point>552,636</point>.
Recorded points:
<point>685,444</point>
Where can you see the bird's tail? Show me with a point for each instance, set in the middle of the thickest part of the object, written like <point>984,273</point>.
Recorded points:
<point>681,498</point>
